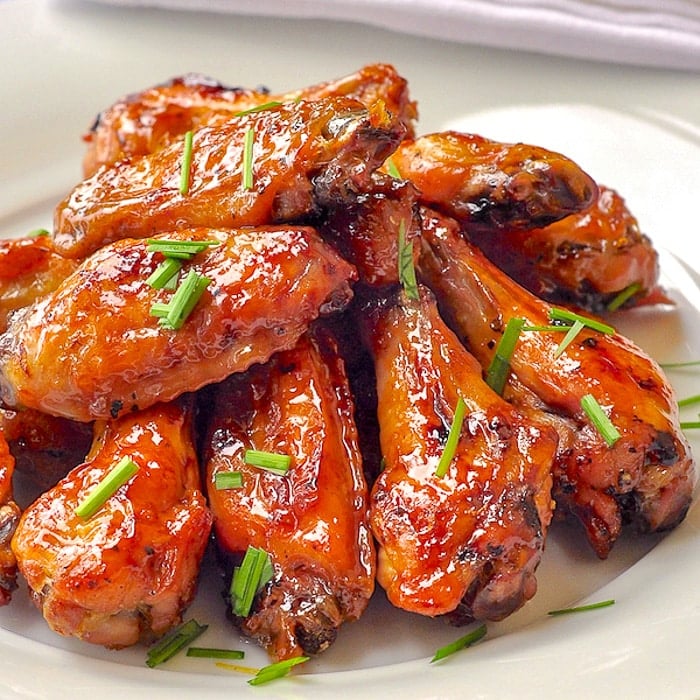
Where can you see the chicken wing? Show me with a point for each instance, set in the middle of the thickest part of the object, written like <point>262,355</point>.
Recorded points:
<point>465,543</point>
<point>312,520</point>
<point>128,572</point>
<point>647,476</point>
<point>9,517</point>
<point>491,185</point>
<point>145,122</point>
<point>275,165</point>
<point>93,349</point>
<point>586,259</point>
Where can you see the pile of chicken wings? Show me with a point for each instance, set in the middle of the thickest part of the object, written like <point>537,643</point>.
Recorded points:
<point>313,341</point>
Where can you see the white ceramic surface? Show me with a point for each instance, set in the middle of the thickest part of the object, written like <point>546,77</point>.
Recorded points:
<point>633,129</point>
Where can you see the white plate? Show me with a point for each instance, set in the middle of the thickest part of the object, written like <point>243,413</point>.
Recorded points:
<point>636,130</point>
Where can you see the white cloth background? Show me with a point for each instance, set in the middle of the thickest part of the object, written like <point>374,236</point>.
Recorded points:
<point>663,33</point>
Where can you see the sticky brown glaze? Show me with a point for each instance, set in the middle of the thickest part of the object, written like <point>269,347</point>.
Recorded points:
<point>29,268</point>
<point>647,476</point>
<point>92,349</point>
<point>127,573</point>
<point>313,520</point>
<point>467,543</point>
<point>489,185</point>
<point>9,517</point>
<point>366,229</point>
<point>145,122</point>
<point>586,259</point>
<point>304,155</point>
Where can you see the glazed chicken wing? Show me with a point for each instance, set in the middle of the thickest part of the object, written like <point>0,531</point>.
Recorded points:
<point>9,516</point>
<point>586,259</point>
<point>93,348</point>
<point>490,185</point>
<point>465,543</point>
<point>145,122</point>
<point>647,475</point>
<point>275,165</point>
<point>128,572</point>
<point>312,520</point>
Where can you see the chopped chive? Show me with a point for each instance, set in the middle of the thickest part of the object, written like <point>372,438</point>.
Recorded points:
<point>452,439</point>
<point>107,487</point>
<point>248,579</point>
<point>391,168</point>
<point>270,461</point>
<point>625,295</point>
<point>258,108</point>
<point>689,400</point>
<point>164,273</point>
<point>213,653</point>
<point>600,420</point>
<point>690,425</point>
<point>38,232</point>
<point>546,328</point>
<point>186,164</point>
<point>159,309</point>
<point>462,643</point>
<point>276,670</point>
<point>183,300</point>
<point>557,314</point>
<point>680,365</point>
<point>171,644</point>
<point>407,272</point>
<point>248,143</point>
<point>498,370</point>
<point>575,328</point>
<point>228,480</point>
<point>173,248</point>
<point>583,608</point>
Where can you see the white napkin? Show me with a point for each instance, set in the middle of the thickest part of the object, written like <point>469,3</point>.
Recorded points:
<point>663,33</point>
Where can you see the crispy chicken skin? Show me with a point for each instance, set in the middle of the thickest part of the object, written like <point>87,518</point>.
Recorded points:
<point>9,517</point>
<point>491,185</point>
<point>647,476</point>
<point>92,349</point>
<point>146,121</point>
<point>128,572</point>
<point>312,521</point>
<point>585,259</point>
<point>466,543</point>
<point>29,268</point>
<point>304,155</point>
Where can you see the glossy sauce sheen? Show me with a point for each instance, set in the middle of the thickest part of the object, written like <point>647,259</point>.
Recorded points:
<point>127,573</point>
<point>92,349</point>
<point>9,516</point>
<point>648,475</point>
<point>467,543</point>
<point>312,520</point>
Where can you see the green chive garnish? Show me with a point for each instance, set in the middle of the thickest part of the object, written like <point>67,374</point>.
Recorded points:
<point>407,272</point>
<point>689,400</point>
<point>248,158</point>
<point>213,653</point>
<point>107,487</point>
<point>680,365</point>
<point>557,314</point>
<point>583,608</point>
<point>173,248</point>
<point>228,480</point>
<point>690,424</point>
<point>462,643</point>
<point>392,169</point>
<point>627,293</point>
<point>182,302</point>
<point>600,420</point>
<point>497,373</point>
<point>575,328</point>
<point>452,439</point>
<point>186,164</point>
<point>174,642</point>
<point>258,108</point>
<point>249,578</point>
<point>269,461</point>
<point>38,232</point>
<point>277,670</point>
<point>164,274</point>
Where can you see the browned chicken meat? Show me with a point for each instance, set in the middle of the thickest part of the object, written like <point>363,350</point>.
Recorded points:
<point>490,185</point>
<point>311,520</point>
<point>279,164</point>
<point>586,259</point>
<point>129,571</point>
<point>647,476</point>
<point>466,542</point>
<point>146,121</point>
<point>94,349</point>
<point>9,516</point>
